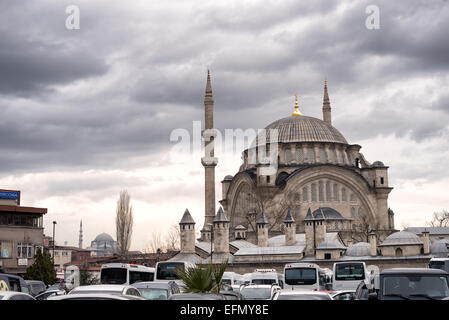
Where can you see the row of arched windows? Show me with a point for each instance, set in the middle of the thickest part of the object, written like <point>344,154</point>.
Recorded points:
<point>309,156</point>
<point>326,191</point>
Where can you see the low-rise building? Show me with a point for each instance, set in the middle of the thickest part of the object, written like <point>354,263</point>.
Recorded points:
<point>21,232</point>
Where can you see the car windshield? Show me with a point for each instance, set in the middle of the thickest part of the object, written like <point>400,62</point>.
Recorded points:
<point>226,281</point>
<point>113,275</point>
<point>349,271</point>
<point>304,296</point>
<point>300,276</point>
<point>256,293</point>
<point>436,265</point>
<point>153,294</point>
<point>264,281</point>
<point>169,271</point>
<point>415,286</point>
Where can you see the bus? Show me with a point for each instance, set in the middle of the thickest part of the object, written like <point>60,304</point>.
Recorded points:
<point>168,271</point>
<point>266,276</point>
<point>304,276</point>
<point>348,275</point>
<point>232,279</point>
<point>125,273</point>
<point>439,263</point>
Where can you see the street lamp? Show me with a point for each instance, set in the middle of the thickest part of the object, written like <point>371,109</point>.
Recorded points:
<point>54,223</point>
<point>211,239</point>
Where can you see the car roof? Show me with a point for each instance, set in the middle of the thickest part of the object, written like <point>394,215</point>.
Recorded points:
<point>260,286</point>
<point>412,271</point>
<point>106,287</point>
<point>152,284</point>
<point>97,295</point>
<point>302,291</point>
<point>10,293</point>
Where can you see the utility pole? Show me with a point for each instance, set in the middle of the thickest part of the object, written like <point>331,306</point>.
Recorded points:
<point>54,223</point>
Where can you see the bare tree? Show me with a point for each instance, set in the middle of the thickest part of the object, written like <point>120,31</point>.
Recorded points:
<point>172,238</point>
<point>124,222</point>
<point>156,242</point>
<point>440,219</point>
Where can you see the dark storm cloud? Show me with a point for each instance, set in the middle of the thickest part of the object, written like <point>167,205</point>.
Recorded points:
<point>134,75</point>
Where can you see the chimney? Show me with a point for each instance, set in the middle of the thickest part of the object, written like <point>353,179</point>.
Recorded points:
<point>426,241</point>
<point>262,231</point>
<point>373,244</point>
<point>290,230</point>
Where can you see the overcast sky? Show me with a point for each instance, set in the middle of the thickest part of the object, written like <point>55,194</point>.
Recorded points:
<point>85,113</point>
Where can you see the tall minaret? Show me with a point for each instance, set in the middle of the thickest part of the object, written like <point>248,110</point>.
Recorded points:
<point>209,161</point>
<point>80,241</point>
<point>326,106</point>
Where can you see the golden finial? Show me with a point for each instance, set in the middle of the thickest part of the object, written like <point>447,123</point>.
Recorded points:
<point>296,113</point>
<point>325,82</point>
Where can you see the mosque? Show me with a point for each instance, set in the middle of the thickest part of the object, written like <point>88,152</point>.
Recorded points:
<point>325,202</point>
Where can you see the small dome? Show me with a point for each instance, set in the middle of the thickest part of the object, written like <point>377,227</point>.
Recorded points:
<point>228,178</point>
<point>103,237</point>
<point>359,249</point>
<point>378,164</point>
<point>401,238</point>
<point>240,227</point>
<point>440,247</point>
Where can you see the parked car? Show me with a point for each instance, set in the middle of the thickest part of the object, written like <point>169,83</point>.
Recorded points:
<point>411,284</point>
<point>259,291</point>
<point>49,293</point>
<point>118,289</point>
<point>14,295</point>
<point>154,290</point>
<point>231,295</point>
<point>11,282</point>
<point>301,295</point>
<point>95,296</point>
<point>36,287</point>
<point>343,295</point>
<point>196,296</point>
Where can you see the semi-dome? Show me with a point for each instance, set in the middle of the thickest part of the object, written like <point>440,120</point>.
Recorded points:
<point>103,237</point>
<point>401,238</point>
<point>359,249</point>
<point>302,129</point>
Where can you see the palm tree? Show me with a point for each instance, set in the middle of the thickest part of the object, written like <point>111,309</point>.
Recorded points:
<point>203,278</point>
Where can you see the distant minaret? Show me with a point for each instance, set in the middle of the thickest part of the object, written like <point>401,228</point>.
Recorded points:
<point>209,161</point>
<point>80,242</point>
<point>326,106</point>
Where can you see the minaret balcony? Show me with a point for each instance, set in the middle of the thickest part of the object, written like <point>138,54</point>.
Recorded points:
<point>209,161</point>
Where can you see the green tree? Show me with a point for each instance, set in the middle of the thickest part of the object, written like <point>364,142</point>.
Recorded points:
<point>42,269</point>
<point>203,278</point>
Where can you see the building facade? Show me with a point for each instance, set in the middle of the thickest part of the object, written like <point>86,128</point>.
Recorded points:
<point>21,232</point>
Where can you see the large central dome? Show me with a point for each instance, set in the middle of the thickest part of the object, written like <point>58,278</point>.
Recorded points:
<point>303,129</point>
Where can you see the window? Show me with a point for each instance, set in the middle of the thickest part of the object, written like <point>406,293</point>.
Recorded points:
<point>288,156</point>
<point>328,191</point>
<point>327,256</point>
<point>64,253</point>
<point>304,194</point>
<point>360,213</point>
<point>300,156</point>
<point>398,252</point>
<point>24,250</point>
<point>268,179</point>
<point>336,197</point>
<point>353,213</point>
<point>5,249</point>
<point>344,196</point>
<point>320,191</point>
<point>313,192</point>
<point>323,158</point>
<point>311,155</point>
<point>381,180</point>
<point>352,198</point>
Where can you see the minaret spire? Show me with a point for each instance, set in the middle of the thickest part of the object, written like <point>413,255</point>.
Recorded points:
<point>80,242</point>
<point>326,106</point>
<point>296,113</point>
<point>209,161</point>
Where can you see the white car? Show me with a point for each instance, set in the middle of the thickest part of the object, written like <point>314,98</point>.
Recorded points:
<point>49,293</point>
<point>259,291</point>
<point>117,289</point>
<point>14,295</point>
<point>302,295</point>
<point>95,296</point>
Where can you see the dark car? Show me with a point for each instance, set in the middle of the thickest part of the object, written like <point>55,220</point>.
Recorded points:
<point>11,282</point>
<point>412,284</point>
<point>154,290</point>
<point>36,287</point>
<point>197,296</point>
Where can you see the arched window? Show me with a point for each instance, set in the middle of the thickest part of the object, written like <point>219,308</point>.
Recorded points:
<point>328,191</point>
<point>344,196</point>
<point>300,156</point>
<point>352,198</point>
<point>313,192</point>
<point>398,252</point>
<point>320,191</point>
<point>360,213</point>
<point>288,156</point>
<point>336,192</point>
<point>322,156</point>
<point>353,213</point>
<point>310,155</point>
<point>304,194</point>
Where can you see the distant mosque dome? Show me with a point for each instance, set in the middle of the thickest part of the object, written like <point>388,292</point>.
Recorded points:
<point>103,237</point>
<point>359,249</point>
<point>401,238</point>
<point>302,129</point>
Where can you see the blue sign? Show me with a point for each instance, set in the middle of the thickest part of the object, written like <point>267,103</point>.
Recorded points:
<point>10,195</point>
